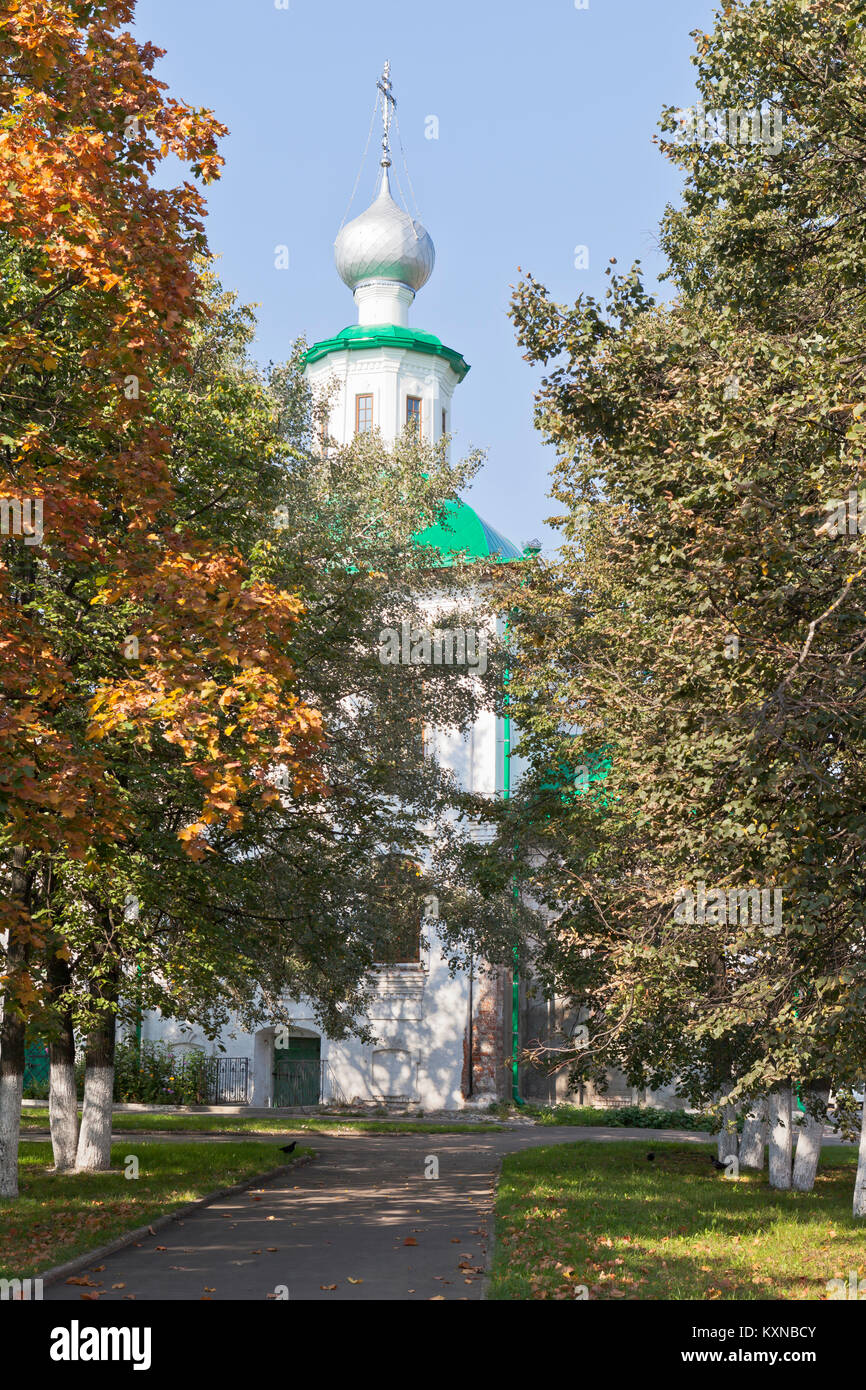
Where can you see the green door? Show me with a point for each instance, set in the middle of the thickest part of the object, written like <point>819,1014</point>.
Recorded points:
<point>297,1072</point>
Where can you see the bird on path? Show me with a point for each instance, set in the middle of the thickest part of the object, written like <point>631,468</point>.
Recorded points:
<point>288,1148</point>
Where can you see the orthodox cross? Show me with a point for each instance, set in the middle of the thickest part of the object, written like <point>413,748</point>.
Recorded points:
<point>389,106</point>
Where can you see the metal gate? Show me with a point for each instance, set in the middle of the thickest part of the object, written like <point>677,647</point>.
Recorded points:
<point>298,1072</point>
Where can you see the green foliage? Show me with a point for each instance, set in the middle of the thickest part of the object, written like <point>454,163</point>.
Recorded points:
<point>157,1076</point>
<point>622,1117</point>
<point>296,895</point>
<point>703,627</point>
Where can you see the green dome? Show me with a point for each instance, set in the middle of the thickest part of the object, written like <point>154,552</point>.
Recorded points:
<point>461,533</point>
<point>359,337</point>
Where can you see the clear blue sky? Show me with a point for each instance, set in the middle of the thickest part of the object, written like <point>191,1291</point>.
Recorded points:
<point>546,116</point>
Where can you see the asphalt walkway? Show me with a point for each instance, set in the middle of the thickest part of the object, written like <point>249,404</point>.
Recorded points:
<point>362,1221</point>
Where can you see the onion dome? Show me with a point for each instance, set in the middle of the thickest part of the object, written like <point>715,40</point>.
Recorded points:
<point>384,243</point>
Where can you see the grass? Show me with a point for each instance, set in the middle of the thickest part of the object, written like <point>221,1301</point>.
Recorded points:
<point>131,1122</point>
<point>59,1216</point>
<point>601,1216</point>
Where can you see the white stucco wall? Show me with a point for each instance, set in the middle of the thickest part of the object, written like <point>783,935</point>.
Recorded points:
<point>389,375</point>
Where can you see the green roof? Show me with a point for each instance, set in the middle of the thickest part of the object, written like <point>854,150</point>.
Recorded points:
<point>359,337</point>
<point>461,533</point>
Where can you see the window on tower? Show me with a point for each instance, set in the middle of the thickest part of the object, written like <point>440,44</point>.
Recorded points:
<point>444,422</point>
<point>413,412</point>
<point>363,414</point>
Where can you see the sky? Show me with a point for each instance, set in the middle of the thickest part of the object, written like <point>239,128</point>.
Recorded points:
<point>544,117</point>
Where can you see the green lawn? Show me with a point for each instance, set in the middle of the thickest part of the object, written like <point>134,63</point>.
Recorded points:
<point>59,1217</point>
<point>33,1118</point>
<point>602,1216</point>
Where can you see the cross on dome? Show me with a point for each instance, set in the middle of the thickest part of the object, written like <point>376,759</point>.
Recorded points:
<point>385,252</point>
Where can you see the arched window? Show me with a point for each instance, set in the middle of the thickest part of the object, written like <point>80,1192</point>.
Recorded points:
<point>401,901</point>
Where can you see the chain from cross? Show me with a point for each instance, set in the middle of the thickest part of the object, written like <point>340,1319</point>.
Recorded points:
<point>389,105</point>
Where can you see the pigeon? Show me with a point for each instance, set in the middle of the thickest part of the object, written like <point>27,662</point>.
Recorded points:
<point>650,1157</point>
<point>719,1167</point>
<point>288,1148</point>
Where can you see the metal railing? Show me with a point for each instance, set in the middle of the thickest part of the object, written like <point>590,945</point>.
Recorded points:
<point>231,1082</point>
<point>213,1080</point>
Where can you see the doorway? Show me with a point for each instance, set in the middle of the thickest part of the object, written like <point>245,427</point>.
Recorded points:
<point>298,1072</point>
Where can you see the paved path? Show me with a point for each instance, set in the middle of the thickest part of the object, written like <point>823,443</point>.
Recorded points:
<point>363,1210</point>
<point>348,1215</point>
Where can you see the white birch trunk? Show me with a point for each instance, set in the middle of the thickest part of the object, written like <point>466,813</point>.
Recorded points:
<point>781,1137</point>
<point>63,1107</point>
<point>754,1141</point>
<point>729,1139</point>
<point>810,1136</point>
<point>94,1139</point>
<point>11,1091</point>
<point>860,1182</point>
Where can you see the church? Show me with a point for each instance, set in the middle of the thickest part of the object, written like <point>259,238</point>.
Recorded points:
<point>443,1041</point>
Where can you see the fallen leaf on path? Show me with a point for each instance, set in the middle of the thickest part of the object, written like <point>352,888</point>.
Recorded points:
<point>410,1240</point>
<point>327,1286</point>
<point>83,1280</point>
<point>118,1286</point>
<point>354,1281</point>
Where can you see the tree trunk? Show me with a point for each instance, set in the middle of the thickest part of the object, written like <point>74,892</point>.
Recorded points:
<point>94,1138</point>
<point>11,1092</point>
<point>754,1140</point>
<point>781,1138</point>
<point>809,1139</point>
<point>62,1099</point>
<point>12,1040</point>
<point>860,1182</point>
<point>729,1139</point>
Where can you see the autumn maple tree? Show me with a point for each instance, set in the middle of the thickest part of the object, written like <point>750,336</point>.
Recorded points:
<point>100,290</point>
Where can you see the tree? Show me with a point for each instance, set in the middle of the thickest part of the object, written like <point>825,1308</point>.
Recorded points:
<point>290,897</point>
<point>705,628</point>
<point>100,295</point>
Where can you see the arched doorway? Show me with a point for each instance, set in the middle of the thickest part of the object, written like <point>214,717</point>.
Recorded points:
<point>298,1071</point>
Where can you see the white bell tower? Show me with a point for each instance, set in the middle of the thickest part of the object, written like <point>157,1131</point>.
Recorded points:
<point>389,374</point>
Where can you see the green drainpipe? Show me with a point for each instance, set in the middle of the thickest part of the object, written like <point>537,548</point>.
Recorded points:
<point>138,1020</point>
<point>515,975</point>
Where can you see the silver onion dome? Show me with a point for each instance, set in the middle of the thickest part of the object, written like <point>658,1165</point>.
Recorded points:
<point>384,243</point>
